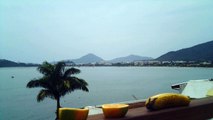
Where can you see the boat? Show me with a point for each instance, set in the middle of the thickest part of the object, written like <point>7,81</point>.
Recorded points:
<point>195,88</point>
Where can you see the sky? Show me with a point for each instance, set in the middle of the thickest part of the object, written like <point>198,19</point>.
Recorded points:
<point>34,31</point>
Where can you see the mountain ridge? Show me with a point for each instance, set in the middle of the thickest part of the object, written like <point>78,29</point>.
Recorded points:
<point>130,58</point>
<point>9,63</point>
<point>92,58</point>
<point>199,52</point>
<point>88,58</point>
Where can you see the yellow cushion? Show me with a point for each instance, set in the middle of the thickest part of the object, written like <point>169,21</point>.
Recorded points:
<point>73,114</point>
<point>115,110</point>
<point>210,92</point>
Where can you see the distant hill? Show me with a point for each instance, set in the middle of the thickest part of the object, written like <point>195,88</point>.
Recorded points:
<point>8,63</point>
<point>89,58</point>
<point>130,58</point>
<point>200,52</point>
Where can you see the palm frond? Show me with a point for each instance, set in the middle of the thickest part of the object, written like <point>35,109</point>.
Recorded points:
<point>66,84</point>
<point>72,84</point>
<point>59,69</point>
<point>36,83</point>
<point>46,68</point>
<point>71,71</point>
<point>77,83</point>
<point>42,82</point>
<point>43,94</point>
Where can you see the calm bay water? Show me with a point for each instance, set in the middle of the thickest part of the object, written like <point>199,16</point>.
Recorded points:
<point>106,85</point>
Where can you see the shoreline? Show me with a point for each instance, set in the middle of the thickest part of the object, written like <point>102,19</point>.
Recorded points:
<point>113,66</point>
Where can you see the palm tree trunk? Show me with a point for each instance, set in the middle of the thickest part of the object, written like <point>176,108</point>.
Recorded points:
<point>57,109</point>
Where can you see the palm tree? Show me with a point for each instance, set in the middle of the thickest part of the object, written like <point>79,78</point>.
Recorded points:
<point>57,82</point>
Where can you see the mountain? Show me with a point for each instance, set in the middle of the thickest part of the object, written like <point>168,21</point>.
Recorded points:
<point>8,63</point>
<point>130,58</point>
<point>200,52</point>
<point>89,58</point>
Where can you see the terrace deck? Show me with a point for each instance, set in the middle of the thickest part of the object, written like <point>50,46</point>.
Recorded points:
<point>200,109</point>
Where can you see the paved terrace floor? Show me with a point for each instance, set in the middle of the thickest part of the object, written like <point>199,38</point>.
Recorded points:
<point>200,109</point>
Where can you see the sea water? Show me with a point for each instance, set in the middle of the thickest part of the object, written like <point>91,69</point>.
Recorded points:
<point>106,85</point>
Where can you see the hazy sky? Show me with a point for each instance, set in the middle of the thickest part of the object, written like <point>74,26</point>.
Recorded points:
<point>38,30</point>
